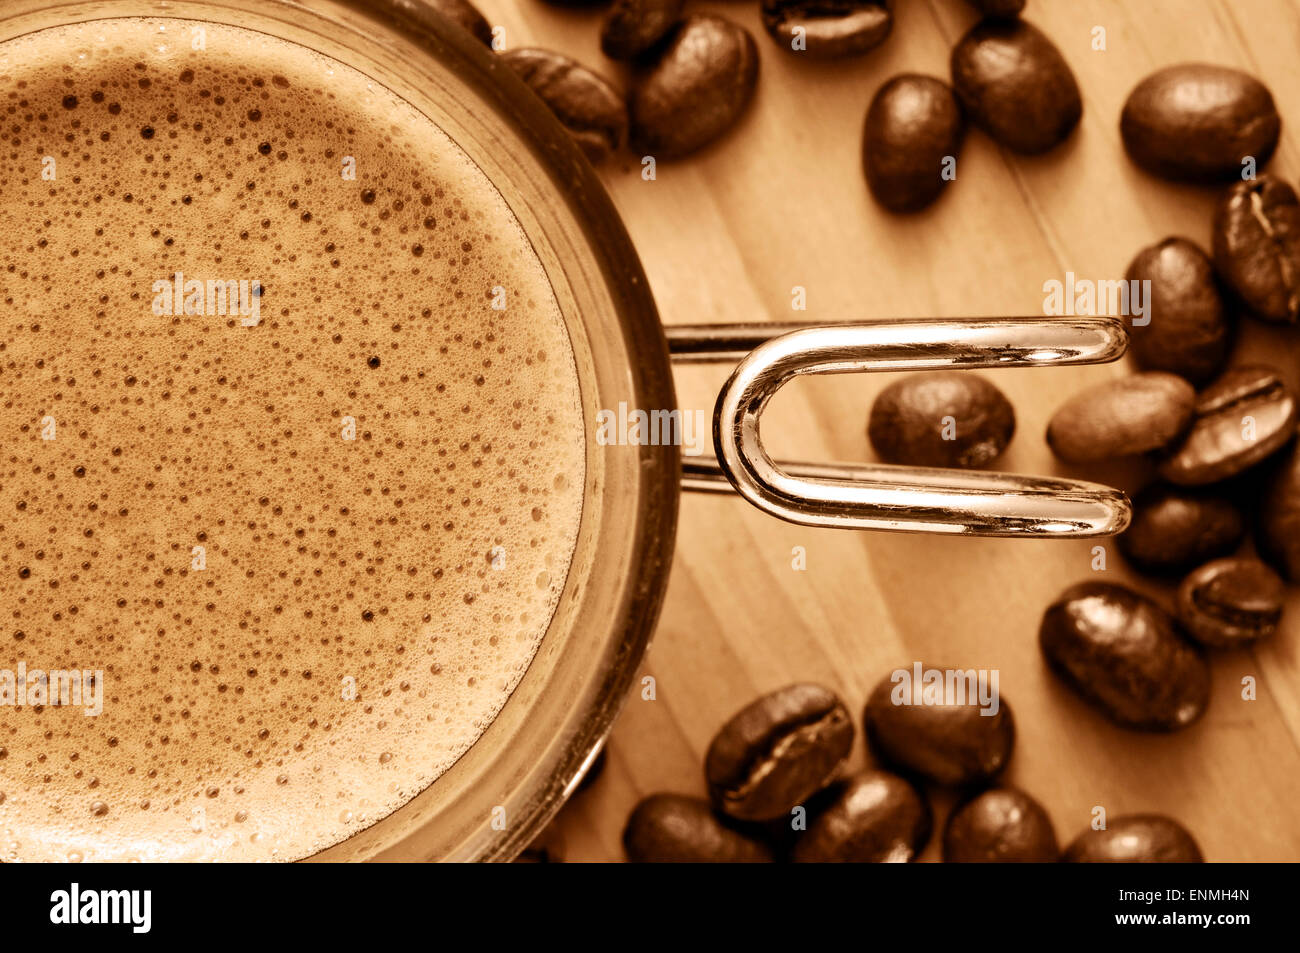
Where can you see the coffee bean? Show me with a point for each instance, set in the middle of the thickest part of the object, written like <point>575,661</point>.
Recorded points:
<point>675,829</point>
<point>914,128</point>
<point>1189,330</point>
<point>1122,417</point>
<point>948,740</point>
<point>1257,247</point>
<point>876,817</point>
<point>778,751</point>
<point>1016,86</point>
<point>828,29</point>
<point>998,8</point>
<point>1175,529</point>
<point>1277,531</point>
<point>586,105</point>
<point>1124,655</point>
<point>466,15</point>
<point>1196,122</point>
<point>633,27</point>
<point>1003,825</point>
<point>941,419</point>
<point>1136,839</point>
<point>1230,603</point>
<point>1241,418</point>
<point>699,85</point>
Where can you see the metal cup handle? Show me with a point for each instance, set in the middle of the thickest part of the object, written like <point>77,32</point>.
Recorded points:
<point>882,496</point>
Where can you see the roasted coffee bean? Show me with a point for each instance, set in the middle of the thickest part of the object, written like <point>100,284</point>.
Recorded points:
<point>699,85</point>
<point>914,129</point>
<point>586,105</point>
<point>778,751</point>
<point>1124,655</point>
<point>876,817</point>
<point>998,8</point>
<point>466,15</point>
<point>1277,532</point>
<point>1016,86</point>
<point>633,27</point>
<point>1189,330</point>
<point>1003,825</point>
<point>1241,418</point>
<point>1175,529</point>
<point>675,829</point>
<point>1136,839</point>
<point>828,29</point>
<point>1230,603</point>
<point>941,419</point>
<point>1196,122</point>
<point>1122,417</point>
<point>1257,247</point>
<point>948,740</point>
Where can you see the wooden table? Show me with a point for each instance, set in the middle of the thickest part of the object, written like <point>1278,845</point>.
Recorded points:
<point>780,203</point>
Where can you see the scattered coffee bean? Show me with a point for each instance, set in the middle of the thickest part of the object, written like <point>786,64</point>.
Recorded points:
<point>828,29</point>
<point>945,740</point>
<point>914,127</point>
<point>1189,331</point>
<point>941,419</point>
<point>1241,418</point>
<point>1277,532</point>
<point>876,817</point>
<point>467,15</point>
<point>1136,839</point>
<point>675,829</point>
<point>700,84</point>
<point>1230,603</point>
<point>1122,417</point>
<point>1123,654</point>
<point>778,751</point>
<point>998,8</point>
<point>1003,825</point>
<point>1016,86</point>
<point>1257,247</point>
<point>1196,122</point>
<point>1175,529</point>
<point>633,27</point>
<point>587,106</point>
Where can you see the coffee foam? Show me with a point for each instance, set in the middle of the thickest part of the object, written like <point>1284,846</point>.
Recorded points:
<point>225,732</point>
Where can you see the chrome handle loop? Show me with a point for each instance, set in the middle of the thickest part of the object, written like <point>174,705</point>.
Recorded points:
<point>887,497</point>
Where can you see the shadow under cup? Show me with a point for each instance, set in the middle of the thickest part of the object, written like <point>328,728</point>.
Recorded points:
<point>532,755</point>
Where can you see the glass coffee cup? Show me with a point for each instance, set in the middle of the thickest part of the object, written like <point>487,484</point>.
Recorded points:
<point>501,792</point>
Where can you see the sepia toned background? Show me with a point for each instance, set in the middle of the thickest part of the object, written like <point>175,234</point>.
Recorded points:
<point>726,234</point>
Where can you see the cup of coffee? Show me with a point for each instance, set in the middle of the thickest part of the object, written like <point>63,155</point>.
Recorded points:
<point>313,315</point>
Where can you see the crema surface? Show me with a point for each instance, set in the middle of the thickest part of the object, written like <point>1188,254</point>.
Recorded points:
<point>310,536</point>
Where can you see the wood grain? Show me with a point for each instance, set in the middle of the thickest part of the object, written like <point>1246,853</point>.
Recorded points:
<point>781,202</point>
